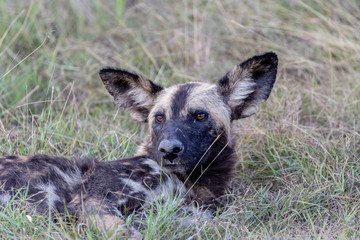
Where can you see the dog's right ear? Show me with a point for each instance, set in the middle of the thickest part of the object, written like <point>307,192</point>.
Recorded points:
<point>132,92</point>
<point>249,84</point>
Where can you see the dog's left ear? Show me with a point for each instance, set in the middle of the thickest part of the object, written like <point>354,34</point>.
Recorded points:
<point>248,84</point>
<point>131,92</point>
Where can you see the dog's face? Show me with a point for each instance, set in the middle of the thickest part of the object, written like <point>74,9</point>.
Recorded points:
<point>184,122</point>
<point>190,123</point>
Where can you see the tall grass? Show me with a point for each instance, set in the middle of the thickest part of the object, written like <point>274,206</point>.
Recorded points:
<point>298,174</point>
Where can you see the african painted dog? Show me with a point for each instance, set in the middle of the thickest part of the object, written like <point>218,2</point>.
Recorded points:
<point>189,150</point>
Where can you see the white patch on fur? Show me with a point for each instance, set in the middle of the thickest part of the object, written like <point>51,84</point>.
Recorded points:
<point>241,90</point>
<point>49,190</point>
<point>152,164</point>
<point>170,186</point>
<point>140,97</point>
<point>121,202</point>
<point>135,186</point>
<point>70,179</point>
<point>4,198</point>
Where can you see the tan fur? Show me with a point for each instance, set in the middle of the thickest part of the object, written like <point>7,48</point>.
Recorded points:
<point>202,96</point>
<point>206,96</point>
<point>162,103</point>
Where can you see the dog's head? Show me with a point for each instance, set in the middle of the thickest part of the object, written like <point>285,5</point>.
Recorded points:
<point>190,123</point>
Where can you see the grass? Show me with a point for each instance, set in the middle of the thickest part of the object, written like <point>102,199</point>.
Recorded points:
<point>298,175</point>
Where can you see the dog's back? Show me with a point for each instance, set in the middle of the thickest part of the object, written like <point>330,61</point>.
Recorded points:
<point>107,189</point>
<point>47,182</point>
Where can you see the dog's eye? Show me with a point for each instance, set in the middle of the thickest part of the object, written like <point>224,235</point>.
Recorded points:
<point>200,116</point>
<point>159,118</point>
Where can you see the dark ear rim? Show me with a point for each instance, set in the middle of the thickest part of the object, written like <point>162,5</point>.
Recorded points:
<point>154,87</point>
<point>105,70</point>
<point>271,56</point>
<point>266,58</point>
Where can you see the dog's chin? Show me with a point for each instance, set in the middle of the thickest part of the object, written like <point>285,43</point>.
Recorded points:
<point>173,166</point>
<point>170,163</point>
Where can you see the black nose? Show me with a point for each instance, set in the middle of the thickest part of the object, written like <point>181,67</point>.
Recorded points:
<point>170,149</point>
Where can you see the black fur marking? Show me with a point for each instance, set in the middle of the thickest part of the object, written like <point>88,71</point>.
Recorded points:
<point>143,111</point>
<point>263,73</point>
<point>107,70</point>
<point>180,98</point>
<point>261,69</point>
<point>219,163</point>
<point>224,81</point>
<point>155,87</point>
<point>120,80</point>
<point>117,78</point>
<point>121,85</point>
<point>224,87</point>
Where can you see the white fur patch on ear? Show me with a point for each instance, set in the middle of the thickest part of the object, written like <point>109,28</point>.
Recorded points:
<point>140,97</point>
<point>241,90</point>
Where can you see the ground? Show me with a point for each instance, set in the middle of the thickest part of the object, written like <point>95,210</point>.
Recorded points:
<point>298,171</point>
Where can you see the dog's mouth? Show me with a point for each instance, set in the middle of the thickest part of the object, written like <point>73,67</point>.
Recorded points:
<point>173,164</point>
<point>170,165</point>
<point>170,158</point>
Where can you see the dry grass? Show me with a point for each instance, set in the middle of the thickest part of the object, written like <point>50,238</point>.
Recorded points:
<point>299,173</point>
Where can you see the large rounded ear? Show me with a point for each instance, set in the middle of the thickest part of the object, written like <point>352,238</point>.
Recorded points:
<point>248,84</point>
<point>132,92</point>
